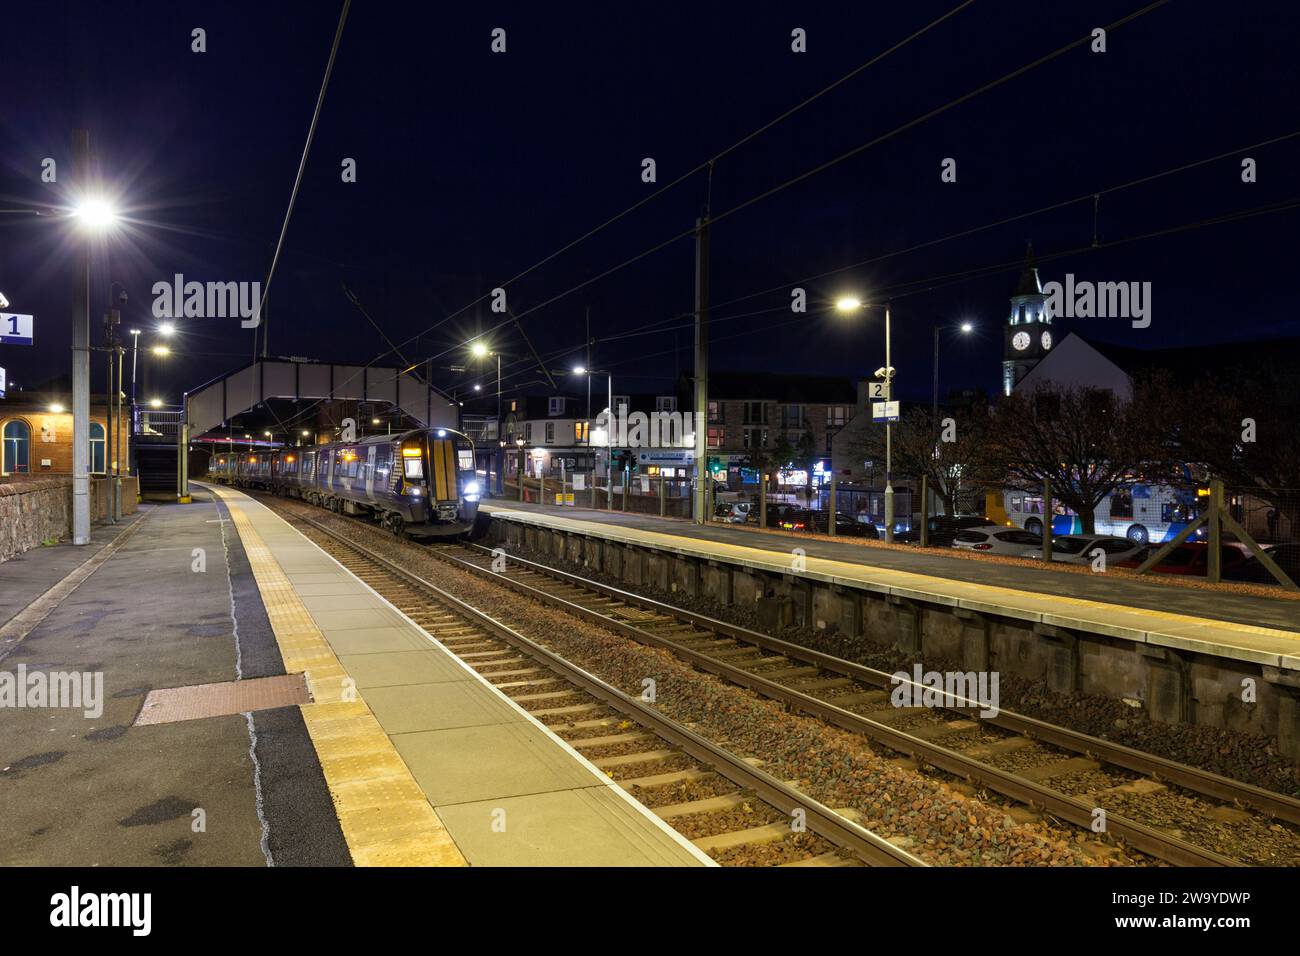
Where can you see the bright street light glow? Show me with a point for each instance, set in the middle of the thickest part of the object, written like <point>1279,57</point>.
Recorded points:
<point>56,408</point>
<point>167,328</point>
<point>95,214</point>
<point>305,433</point>
<point>848,303</point>
<point>479,349</point>
<point>134,332</point>
<point>161,350</point>
<point>579,370</point>
<point>477,387</point>
<point>157,403</point>
<point>967,327</point>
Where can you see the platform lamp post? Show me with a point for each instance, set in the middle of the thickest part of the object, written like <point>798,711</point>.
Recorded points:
<point>965,328</point>
<point>95,216</point>
<point>609,429</point>
<point>481,350</point>
<point>854,304</point>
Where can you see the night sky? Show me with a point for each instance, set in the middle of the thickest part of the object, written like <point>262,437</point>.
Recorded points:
<point>474,166</point>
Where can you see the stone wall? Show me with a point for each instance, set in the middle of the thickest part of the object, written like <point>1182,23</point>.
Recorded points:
<point>1173,686</point>
<point>36,510</point>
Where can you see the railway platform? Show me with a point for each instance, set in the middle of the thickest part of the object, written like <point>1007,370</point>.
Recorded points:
<point>260,705</point>
<point>1179,654</point>
<point>1263,629</point>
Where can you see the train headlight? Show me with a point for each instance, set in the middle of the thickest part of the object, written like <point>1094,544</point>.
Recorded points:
<point>471,489</point>
<point>415,492</point>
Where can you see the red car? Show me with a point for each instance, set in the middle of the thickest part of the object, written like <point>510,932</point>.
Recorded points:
<point>1190,557</point>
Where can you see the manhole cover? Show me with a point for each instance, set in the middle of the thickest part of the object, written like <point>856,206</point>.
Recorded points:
<point>171,704</point>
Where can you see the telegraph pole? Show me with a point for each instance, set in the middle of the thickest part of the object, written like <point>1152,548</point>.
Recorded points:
<point>81,356</point>
<point>701,368</point>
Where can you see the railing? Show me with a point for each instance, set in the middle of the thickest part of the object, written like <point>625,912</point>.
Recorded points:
<point>164,422</point>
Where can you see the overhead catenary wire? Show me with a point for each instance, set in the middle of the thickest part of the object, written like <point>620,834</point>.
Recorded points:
<point>703,165</point>
<point>822,167</point>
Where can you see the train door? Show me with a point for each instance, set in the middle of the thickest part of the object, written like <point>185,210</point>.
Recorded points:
<point>370,473</point>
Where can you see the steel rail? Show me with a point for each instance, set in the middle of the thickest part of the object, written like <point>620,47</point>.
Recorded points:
<point>1078,812</point>
<point>821,820</point>
<point>1192,778</point>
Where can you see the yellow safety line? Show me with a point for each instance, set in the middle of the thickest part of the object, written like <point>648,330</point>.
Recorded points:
<point>1027,600</point>
<point>385,817</point>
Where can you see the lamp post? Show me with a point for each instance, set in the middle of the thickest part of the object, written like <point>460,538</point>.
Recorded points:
<point>481,350</point>
<point>853,304</point>
<point>609,426</point>
<point>965,328</point>
<point>94,216</point>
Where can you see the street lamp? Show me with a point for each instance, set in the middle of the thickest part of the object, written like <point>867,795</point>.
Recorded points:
<point>850,303</point>
<point>481,350</point>
<point>95,214</point>
<point>167,328</point>
<point>155,403</point>
<point>965,328</point>
<point>609,426</point>
<point>161,350</point>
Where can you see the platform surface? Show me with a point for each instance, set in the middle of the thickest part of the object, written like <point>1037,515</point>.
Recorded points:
<point>422,754</point>
<point>1239,626</point>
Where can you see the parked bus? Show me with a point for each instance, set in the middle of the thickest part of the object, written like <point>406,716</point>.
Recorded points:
<point>1144,513</point>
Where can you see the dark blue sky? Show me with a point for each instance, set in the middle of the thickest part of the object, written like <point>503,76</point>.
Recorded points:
<point>474,166</point>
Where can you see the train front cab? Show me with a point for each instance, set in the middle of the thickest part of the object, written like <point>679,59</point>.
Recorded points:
<point>452,489</point>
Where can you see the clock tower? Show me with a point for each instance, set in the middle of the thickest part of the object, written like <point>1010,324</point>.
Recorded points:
<point>1029,333</point>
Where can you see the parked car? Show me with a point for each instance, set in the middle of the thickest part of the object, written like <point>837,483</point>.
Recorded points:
<point>1286,555</point>
<point>1079,548</point>
<point>1190,557</point>
<point>732,512</point>
<point>995,539</point>
<point>793,519</point>
<point>845,524</point>
<point>942,529</point>
<point>777,513</point>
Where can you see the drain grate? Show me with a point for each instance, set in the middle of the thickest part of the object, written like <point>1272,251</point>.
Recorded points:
<point>172,704</point>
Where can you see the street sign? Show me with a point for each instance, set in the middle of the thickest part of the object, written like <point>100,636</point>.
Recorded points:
<point>579,481</point>
<point>665,457</point>
<point>15,329</point>
<point>876,389</point>
<point>564,499</point>
<point>884,411</point>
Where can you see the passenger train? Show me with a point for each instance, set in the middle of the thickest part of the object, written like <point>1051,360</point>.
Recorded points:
<point>422,482</point>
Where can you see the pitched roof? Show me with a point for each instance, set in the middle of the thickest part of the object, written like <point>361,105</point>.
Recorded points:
<point>1191,362</point>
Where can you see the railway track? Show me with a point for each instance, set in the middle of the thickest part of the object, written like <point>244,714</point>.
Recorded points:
<point>726,805</point>
<point>955,740</point>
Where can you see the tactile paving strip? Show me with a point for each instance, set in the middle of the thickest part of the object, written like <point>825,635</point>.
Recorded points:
<point>172,704</point>
<point>385,817</point>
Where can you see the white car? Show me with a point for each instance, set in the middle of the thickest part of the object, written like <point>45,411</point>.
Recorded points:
<point>1079,548</point>
<point>996,539</point>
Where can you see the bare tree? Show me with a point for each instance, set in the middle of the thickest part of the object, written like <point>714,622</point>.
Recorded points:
<point>1241,425</point>
<point>955,456</point>
<point>1085,440</point>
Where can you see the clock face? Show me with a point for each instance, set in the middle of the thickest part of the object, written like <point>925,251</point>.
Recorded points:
<point>1047,341</point>
<point>1020,341</point>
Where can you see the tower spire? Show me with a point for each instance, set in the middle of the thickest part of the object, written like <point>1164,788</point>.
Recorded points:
<point>1029,284</point>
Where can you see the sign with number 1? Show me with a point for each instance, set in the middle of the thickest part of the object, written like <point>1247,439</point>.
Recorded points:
<point>15,329</point>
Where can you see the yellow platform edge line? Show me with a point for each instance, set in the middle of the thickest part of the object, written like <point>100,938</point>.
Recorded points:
<point>1013,598</point>
<point>385,817</point>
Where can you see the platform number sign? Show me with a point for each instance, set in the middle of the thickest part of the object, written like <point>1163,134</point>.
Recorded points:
<point>15,329</point>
